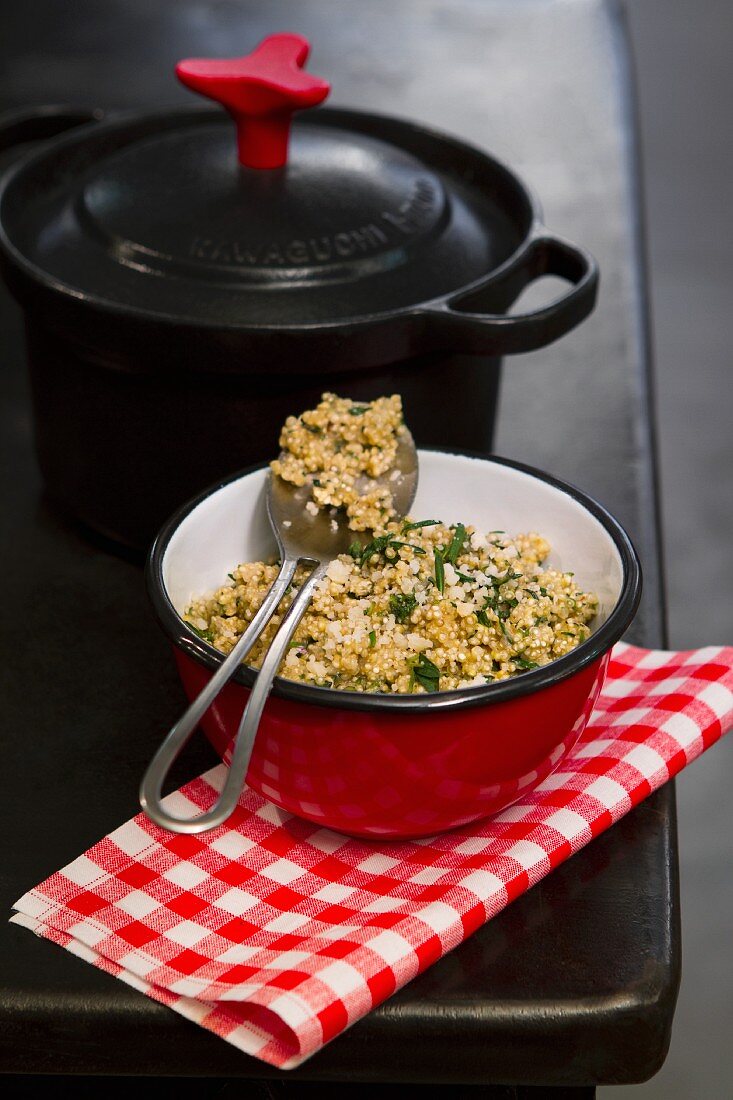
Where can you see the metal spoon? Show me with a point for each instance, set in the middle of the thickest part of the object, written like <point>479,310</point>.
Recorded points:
<point>300,536</point>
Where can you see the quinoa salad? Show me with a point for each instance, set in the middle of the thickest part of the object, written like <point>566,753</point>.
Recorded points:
<point>340,447</point>
<point>422,607</point>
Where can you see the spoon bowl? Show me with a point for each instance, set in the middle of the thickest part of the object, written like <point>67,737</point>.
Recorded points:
<point>322,536</point>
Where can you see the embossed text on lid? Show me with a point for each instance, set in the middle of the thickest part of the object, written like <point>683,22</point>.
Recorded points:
<point>337,212</point>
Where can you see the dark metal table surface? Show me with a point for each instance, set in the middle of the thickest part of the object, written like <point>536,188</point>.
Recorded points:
<point>575,983</point>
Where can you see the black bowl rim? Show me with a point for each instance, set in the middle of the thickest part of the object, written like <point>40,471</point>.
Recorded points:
<point>330,116</point>
<point>526,683</point>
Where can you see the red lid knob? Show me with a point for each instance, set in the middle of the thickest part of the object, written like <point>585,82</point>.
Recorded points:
<point>260,91</point>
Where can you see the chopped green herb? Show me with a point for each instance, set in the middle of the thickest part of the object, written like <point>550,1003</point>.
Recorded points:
<point>385,544</point>
<point>522,662</point>
<point>296,645</point>
<point>418,524</point>
<point>483,618</point>
<point>376,546</point>
<point>426,673</point>
<point>311,428</point>
<point>439,571</point>
<point>402,606</point>
<point>465,577</point>
<point>510,575</point>
<point>232,577</point>
<point>543,591</point>
<point>456,545</point>
<point>316,481</point>
<point>207,635</point>
<point>358,410</point>
<point>502,608</point>
<point>372,639</point>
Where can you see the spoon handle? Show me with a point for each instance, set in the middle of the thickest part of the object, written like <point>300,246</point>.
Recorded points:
<point>245,739</point>
<point>181,732</point>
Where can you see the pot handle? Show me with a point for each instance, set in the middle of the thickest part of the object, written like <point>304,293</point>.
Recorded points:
<point>38,123</point>
<point>458,321</point>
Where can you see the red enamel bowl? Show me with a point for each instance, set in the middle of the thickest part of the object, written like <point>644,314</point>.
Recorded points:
<point>375,765</point>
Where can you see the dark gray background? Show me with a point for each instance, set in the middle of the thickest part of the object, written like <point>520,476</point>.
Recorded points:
<point>683,54</point>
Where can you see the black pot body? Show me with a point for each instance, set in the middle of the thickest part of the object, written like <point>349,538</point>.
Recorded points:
<point>158,374</point>
<point>121,447</point>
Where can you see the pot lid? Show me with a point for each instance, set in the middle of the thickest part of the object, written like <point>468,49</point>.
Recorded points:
<point>350,216</point>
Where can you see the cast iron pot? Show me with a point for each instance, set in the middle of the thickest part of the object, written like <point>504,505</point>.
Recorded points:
<point>180,303</point>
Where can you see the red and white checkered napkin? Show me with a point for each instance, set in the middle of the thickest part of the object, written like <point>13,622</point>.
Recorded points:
<point>277,934</point>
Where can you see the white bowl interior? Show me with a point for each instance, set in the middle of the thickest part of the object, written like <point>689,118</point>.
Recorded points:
<point>230,526</point>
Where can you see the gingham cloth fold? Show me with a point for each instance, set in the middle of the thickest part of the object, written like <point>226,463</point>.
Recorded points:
<point>277,934</point>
